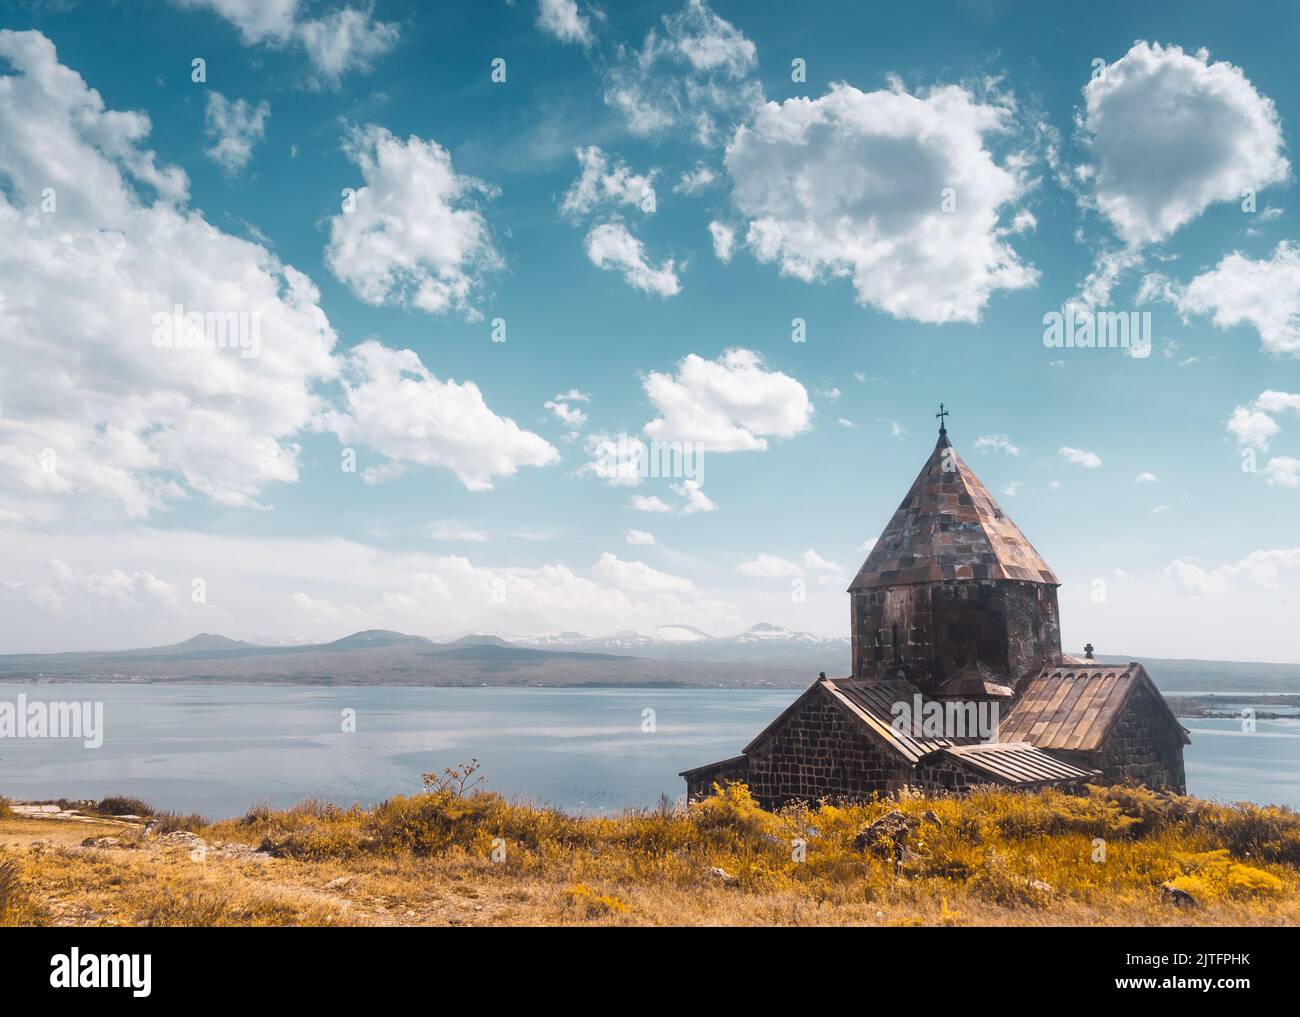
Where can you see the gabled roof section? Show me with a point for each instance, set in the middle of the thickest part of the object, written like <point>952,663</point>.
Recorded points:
<point>1017,763</point>
<point>949,527</point>
<point>1072,706</point>
<point>872,705</point>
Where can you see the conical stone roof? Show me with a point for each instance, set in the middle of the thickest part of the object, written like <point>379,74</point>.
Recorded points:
<point>949,527</point>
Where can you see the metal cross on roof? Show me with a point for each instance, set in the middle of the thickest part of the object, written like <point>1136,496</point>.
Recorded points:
<point>941,414</point>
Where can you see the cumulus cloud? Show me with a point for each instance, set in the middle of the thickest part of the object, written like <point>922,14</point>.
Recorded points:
<point>1267,570</point>
<point>1146,478</point>
<point>562,19</point>
<point>856,185</point>
<point>318,589</point>
<point>1168,134</point>
<point>96,405</point>
<point>696,180</point>
<point>571,416</point>
<point>1252,428</point>
<point>693,498</point>
<point>724,241</point>
<point>340,41</point>
<point>414,233</point>
<point>618,459</point>
<point>1273,401</point>
<point>1080,457</point>
<point>606,182</point>
<point>394,405</point>
<point>695,71</point>
<point>637,577</point>
<point>1283,471</point>
<point>612,247</point>
<point>639,537</point>
<point>1263,293</point>
<point>732,404</point>
<point>234,128</point>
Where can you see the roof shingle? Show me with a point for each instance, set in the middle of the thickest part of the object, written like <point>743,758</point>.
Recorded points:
<point>949,527</point>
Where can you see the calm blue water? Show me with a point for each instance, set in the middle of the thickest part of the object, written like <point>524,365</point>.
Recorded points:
<point>217,750</point>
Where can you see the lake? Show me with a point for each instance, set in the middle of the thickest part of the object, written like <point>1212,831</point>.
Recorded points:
<point>218,749</point>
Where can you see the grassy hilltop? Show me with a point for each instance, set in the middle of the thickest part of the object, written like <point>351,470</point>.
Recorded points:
<point>1122,856</point>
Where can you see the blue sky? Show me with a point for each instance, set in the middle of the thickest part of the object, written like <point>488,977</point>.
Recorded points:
<point>476,509</point>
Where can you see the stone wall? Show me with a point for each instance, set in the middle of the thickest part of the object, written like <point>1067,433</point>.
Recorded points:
<point>700,781</point>
<point>820,753</point>
<point>931,631</point>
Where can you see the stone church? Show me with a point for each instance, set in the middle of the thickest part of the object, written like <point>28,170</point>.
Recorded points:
<point>954,619</point>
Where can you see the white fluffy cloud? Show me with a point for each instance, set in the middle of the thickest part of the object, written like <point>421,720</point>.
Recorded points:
<point>562,19</point>
<point>395,406</point>
<point>856,184</point>
<point>234,128</point>
<point>612,247</point>
<point>340,41</point>
<point>695,71</point>
<point>637,577</point>
<point>1252,428</point>
<point>1080,457</point>
<point>724,241</point>
<point>606,182</point>
<point>115,591</point>
<point>1283,471</point>
<point>1168,134</point>
<point>571,416</point>
<point>732,404</point>
<point>1263,293</point>
<point>93,408</point>
<point>694,181</point>
<point>415,234</point>
<point>1267,570</point>
<point>639,537</point>
<point>693,498</point>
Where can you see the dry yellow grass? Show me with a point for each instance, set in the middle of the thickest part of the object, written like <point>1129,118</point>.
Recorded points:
<point>992,858</point>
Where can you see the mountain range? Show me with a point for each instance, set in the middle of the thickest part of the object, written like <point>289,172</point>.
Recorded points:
<point>763,656</point>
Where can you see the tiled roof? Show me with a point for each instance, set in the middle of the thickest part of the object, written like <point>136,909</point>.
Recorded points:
<point>949,527</point>
<point>1072,706</point>
<point>873,703</point>
<point>1015,763</point>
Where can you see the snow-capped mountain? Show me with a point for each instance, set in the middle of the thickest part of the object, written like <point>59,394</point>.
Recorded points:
<point>759,643</point>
